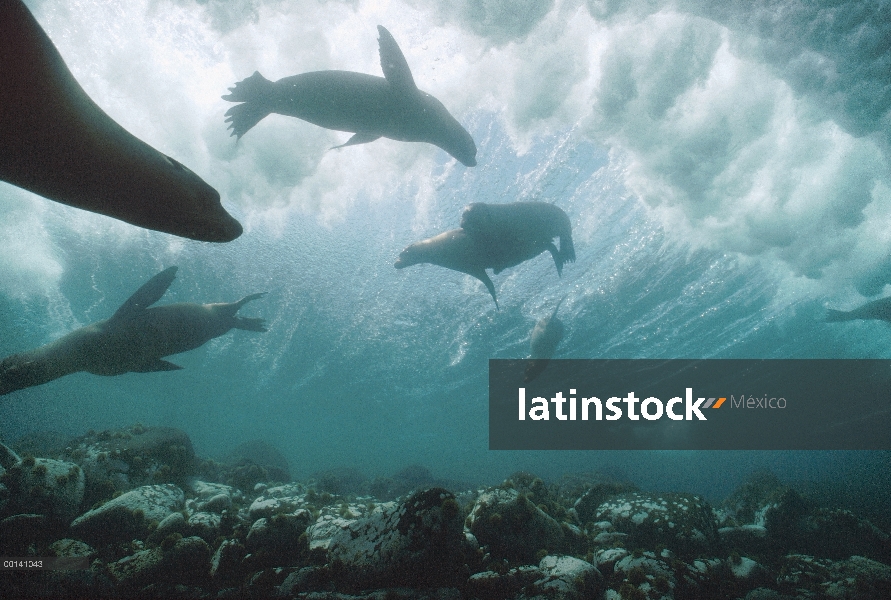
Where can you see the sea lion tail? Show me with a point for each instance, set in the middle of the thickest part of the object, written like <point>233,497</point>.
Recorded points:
<point>253,92</point>
<point>838,315</point>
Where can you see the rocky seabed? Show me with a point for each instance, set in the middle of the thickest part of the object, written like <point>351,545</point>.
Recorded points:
<point>151,523</point>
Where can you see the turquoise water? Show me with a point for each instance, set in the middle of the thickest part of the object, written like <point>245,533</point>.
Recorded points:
<point>369,367</point>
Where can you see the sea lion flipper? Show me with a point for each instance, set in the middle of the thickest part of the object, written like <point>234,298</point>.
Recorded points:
<point>150,292</point>
<point>558,259</point>
<point>482,276</point>
<point>157,365</point>
<point>363,137</point>
<point>393,63</point>
<point>250,324</point>
<point>838,315</point>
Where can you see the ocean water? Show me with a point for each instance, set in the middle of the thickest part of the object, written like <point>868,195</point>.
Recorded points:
<point>726,182</point>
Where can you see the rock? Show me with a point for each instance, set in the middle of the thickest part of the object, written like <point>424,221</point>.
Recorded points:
<point>839,534</point>
<point>279,499</point>
<point>5,498</point>
<point>745,539</point>
<point>489,585</point>
<point>255,461</point>
<point>419,542</point>
<point>73,548</point>
<point>747,570</point>
<point>568,578</point>
<point>45,486</point>
<point>682,522</point>
<point>205,525</point>
<point>306,579</point>
<point>281,534</point>
<point>586,506</point>
<point>185,561</point>
<point>765,594</point>
<point>118,460</point>
<point>212,497</point>
<point>225,565</point>
<point>635,574</point>
<point>513,527</point>
<point>18,532</point>
<point>341,480</point>
<point>607,559</point>
<point>746,504</point>
<point>857,578</point>
<point>324,529</point>
<point>128,516</point>
<point>216,504</point>
<point>8,457</point>
<point>175,522</point>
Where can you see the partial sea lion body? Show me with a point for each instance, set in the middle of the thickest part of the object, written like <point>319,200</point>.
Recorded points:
<point>56,142</point>
<point>877,309</point>
<point>518,231</point>
<point>453,249</point>
<point>367,105</point>
<point>543,342</point>
<point>134,339</point>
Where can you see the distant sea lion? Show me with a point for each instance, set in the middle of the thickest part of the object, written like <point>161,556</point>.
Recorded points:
<point>543,342</point>
<point>515,232</point>
<point>369,106</point>
<point>56,142</point>
<point>134,339</point>
<point>877,309</point>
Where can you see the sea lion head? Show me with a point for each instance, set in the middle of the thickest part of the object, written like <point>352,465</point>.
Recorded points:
<point>447,132</point>
<point>410,256</point>
<point>200,215</point>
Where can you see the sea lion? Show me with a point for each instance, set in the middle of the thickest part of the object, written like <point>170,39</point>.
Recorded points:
<point>134,339</point>
<point>452,249</point>
<point>515,232</point>
<point>369,106</point>
<point>543,341</point>
<point>877,309</point>
<point>56,142</point>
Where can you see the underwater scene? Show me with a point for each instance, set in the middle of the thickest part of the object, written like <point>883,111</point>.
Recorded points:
<point>256,255</point>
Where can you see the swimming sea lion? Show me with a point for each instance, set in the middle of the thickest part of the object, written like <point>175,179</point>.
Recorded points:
<point>454,250</point>
<point>56,142</point>
<point>543,341</point>
<point>877,309</point>
<point>134,339</point>
<point>515,232</point>
<point>391,106</point>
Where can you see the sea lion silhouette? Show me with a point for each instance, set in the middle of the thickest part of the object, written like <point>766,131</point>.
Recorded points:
<point>877,309</point>
<point>134,339</point>
<point>369,106</point>
<point>515,232</point>
<point>543,342</point>
<point>496,236</point>
<point>56,142</point>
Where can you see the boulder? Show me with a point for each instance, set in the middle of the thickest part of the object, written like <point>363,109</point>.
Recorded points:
<point>129,515</point>
<point>419,542</point>
<point>185,561</point>
<point>44,486</point>
<point>513,527</point>
<point>681,522</point>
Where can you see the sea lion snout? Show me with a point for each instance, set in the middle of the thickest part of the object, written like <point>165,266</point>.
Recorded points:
<point>406,258</point>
